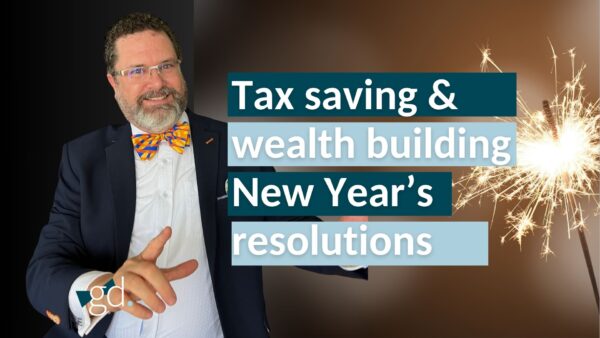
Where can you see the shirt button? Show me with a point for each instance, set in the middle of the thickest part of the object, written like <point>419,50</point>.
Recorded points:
<point>165,194</point>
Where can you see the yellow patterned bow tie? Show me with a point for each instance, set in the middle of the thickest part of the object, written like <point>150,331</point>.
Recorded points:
<point>146,145</point>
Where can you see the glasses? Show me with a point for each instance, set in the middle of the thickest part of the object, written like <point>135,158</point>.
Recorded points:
<point>138,73</point>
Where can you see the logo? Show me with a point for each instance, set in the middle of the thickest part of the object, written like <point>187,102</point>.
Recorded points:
<point>98,292</point>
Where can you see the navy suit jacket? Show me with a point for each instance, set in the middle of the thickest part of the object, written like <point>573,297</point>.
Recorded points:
<point>91,221</point>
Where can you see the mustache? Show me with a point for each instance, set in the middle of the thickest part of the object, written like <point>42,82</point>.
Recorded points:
<point>164,91</point>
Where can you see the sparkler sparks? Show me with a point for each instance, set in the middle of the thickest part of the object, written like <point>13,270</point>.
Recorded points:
<point>558,161</point>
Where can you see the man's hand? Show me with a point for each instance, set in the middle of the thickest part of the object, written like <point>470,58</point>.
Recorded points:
<point>354,218</point>
<point>143,280</point>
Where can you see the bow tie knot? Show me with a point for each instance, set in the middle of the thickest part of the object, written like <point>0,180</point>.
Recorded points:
<point>146,145</point>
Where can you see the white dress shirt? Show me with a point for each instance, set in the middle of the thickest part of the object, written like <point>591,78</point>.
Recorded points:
<point>166,194</point>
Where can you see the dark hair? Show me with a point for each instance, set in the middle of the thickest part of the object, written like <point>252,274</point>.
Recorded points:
<point>134,23</point>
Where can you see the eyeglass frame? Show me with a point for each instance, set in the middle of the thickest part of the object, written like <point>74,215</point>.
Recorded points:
<point>147,69</point>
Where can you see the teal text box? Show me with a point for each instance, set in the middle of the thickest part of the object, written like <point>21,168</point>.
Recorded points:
<point>382,193</point>
<point>475,94</point>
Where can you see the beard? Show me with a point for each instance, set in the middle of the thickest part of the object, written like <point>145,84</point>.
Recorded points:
<point>158,118</point>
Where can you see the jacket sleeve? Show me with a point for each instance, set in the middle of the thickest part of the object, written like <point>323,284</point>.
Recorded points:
<point>59,255</point>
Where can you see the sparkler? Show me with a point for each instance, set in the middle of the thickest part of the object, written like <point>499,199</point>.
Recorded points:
<point>558,164</point>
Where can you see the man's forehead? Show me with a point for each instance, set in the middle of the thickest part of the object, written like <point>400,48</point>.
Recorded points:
<point>144,48</point>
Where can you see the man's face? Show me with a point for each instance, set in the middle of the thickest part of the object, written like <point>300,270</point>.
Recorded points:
<point>155,101</point>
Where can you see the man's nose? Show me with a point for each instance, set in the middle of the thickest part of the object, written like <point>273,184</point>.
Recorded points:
<point>155,78</point>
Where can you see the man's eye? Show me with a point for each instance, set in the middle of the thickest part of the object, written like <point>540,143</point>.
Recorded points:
<point>135,71</point>
<point>166,66</point>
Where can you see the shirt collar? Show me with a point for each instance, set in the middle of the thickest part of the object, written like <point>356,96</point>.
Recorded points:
<point>136,131</point>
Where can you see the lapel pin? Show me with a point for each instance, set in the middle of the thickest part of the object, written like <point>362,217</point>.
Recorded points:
<point>209,140</point>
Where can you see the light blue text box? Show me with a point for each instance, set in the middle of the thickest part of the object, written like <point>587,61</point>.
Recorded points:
<point>452,243</point>
<point>359,133</point>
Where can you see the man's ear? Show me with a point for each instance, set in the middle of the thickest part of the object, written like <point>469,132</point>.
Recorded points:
<point>113,82</point>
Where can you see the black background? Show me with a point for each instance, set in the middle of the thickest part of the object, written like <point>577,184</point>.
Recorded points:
<point>58,91</point>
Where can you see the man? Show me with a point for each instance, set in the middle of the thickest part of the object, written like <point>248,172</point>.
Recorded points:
<point>143,206</point>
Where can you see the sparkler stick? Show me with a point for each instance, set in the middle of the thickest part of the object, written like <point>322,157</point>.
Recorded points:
<point>549,116</point>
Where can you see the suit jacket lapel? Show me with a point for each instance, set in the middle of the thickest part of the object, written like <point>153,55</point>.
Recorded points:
<point>121,172</point>
<point>206,157</point>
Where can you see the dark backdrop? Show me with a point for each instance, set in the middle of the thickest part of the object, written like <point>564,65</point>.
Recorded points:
<point>58,91</point>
